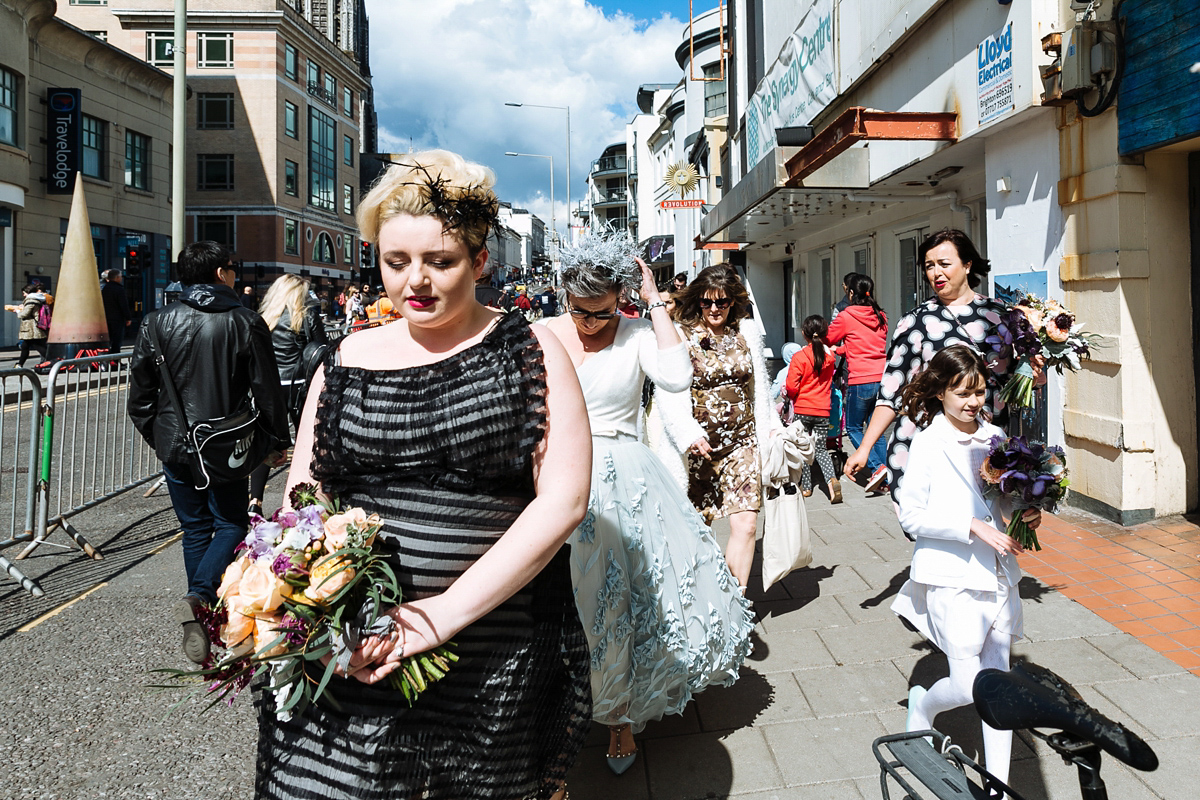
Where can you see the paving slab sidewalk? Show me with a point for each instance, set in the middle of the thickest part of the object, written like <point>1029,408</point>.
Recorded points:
<point>830,672</point>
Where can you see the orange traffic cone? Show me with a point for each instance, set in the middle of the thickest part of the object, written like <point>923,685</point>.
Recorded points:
<point>78,321</point>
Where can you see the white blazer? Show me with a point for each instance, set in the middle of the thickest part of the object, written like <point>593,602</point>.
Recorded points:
<point>938,497</point>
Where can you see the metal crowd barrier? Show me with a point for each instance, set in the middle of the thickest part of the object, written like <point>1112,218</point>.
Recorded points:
<point>20,448</point>
<point>90,451</point>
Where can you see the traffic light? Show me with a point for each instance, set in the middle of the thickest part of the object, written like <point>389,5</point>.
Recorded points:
<point>133,260</point>
<point>366,254</point>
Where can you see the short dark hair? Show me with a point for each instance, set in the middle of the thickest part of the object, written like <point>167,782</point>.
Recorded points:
<point>199,262</point>
<point>848,280</point>
<point>978,266</point>
<point>112,274</point>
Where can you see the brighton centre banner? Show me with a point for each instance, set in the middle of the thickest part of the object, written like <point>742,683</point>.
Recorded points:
<point>799,84</point>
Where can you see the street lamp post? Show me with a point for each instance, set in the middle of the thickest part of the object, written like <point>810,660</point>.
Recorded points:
<point>553,222</point>
<point>568,110</point>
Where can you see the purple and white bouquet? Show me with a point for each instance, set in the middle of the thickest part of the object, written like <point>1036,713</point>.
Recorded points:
<point>1029,475</point>
<point>1035,327</point>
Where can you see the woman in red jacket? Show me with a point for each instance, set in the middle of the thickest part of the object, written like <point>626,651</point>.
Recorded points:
<point>809,384</point>
<point>864,329</point>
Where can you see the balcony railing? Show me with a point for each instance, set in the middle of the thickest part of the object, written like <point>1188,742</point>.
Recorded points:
<point>609,163</point>
<point>318,91</point>
<point>612,195</point>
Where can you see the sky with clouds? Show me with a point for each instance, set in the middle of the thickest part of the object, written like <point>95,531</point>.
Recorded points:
<point>443,70</point>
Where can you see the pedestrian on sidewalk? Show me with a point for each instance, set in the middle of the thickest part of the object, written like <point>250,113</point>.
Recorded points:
<point>219,354</point>
<point>465,430</point>
<point>650,648</point>
<point>31,334</point>
<point>295,322</point>
<point>956,314</point>
<point>862,330</point>
<point>721,425</point>
<point>847,289</point>
<point>961,593</point>
<point>809,386</point>
<point>116,309</point>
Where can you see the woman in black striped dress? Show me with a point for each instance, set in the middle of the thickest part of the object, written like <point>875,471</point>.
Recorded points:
<point>467,433</point>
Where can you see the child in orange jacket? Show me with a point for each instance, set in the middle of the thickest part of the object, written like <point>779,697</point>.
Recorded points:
<point>809,385</point>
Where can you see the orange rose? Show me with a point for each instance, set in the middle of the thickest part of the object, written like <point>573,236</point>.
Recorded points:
<point>1056,333</point>
<point>1034,316</point>
<point>265,633</point>
<point>323,583</point>
<point>240,624</point>
<point>232,577</point>
<point>261,589</point>
<point>989,473</point>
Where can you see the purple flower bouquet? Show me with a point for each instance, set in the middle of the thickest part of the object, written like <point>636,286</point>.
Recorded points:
<point>1036,327</point>
<point>1029,475</point>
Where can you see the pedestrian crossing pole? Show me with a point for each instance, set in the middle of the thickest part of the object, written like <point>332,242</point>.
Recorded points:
<point>179,131</point>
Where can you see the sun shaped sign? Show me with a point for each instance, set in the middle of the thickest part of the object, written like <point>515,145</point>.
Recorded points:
<point>682,178</point>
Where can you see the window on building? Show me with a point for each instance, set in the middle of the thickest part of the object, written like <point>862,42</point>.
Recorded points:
<point>218,228</point>
<point>291,178</point>
<point>89,2</point>
<point>314,74</point>
<point>714,92</point>
<point>214,110</point>
<point>214,172</point>
<point>291,61</point>
<point>95,150</point>
<point>323,249</point>
<point>160,48</point>
<point>214,49</point>
<point>291,240</point>
<point>348,151</point>
<point>137,160</point>
<point>348,102</point>
<point>348,249</point>
<point>291,116</point>
<point>347,199</point>
<point>331,89</point>
<point>8,107</point>
<point>322,155</point>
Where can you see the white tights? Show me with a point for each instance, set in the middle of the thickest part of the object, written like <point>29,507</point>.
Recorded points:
<point>955,691</point>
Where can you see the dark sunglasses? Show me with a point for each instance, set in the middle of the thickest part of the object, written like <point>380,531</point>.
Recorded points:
<point>599,316</point>
<point>724,302</point>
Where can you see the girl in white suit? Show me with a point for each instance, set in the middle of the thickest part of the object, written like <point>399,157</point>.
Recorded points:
<point>962,588</point>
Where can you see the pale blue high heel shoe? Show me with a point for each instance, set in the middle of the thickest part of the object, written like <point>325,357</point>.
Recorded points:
<point>620,762</point>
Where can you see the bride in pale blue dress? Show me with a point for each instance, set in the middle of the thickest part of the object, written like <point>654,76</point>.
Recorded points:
<point>663,615</point>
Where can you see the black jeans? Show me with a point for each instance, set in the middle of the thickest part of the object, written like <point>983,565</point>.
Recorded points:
<point>214,520</point>
<point>38,344</point>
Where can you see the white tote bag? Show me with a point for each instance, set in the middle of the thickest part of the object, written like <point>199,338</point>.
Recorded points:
<point>786,544</point>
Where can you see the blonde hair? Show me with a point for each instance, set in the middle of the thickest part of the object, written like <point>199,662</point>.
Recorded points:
<point>434,183</point>
<point>288,292</point>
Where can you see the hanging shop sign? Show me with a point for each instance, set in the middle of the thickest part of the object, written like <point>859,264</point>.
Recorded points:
<point>799,85</point>
<point>64,140</point>
<point>682,203</point>
<point>994,84</point>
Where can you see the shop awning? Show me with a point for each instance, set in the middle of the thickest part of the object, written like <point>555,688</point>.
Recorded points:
<point>790,184</point>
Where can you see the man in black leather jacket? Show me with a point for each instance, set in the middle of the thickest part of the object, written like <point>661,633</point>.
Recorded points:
<point>217,353</point>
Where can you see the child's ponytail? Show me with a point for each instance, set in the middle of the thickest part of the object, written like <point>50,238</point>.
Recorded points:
<point>815,330</point>
<point>947,369</point>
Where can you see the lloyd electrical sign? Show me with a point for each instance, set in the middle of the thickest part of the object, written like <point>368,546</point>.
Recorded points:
<point>799,84</point>
<point>64,140</point>
<point>994,83</point>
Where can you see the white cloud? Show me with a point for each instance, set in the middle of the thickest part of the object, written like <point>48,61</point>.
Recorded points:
<point>444,69</point>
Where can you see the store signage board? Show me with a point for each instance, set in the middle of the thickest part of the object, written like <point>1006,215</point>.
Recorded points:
<point>994,75</point>
<point>682,203</point>
<point>799,85</point>
<point>64,139</point>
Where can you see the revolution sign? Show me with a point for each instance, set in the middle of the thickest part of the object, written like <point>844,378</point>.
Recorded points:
<point>799,84</point>
<point>682,203</point>
<point>64,140</point>
<point>994,84</point>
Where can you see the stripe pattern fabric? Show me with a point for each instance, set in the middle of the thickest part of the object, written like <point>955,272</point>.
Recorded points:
<point>443,453</point>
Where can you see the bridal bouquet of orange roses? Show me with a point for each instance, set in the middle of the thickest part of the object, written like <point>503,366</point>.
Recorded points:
<point>306,584</point>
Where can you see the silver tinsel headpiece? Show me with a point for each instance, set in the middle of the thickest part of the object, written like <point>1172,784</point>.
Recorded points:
<point>601,259</point>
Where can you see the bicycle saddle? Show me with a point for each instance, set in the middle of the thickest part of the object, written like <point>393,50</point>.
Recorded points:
<point>1029,696</point>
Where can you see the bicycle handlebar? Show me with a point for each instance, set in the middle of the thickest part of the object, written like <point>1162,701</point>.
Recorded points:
<point>1029,696</point>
